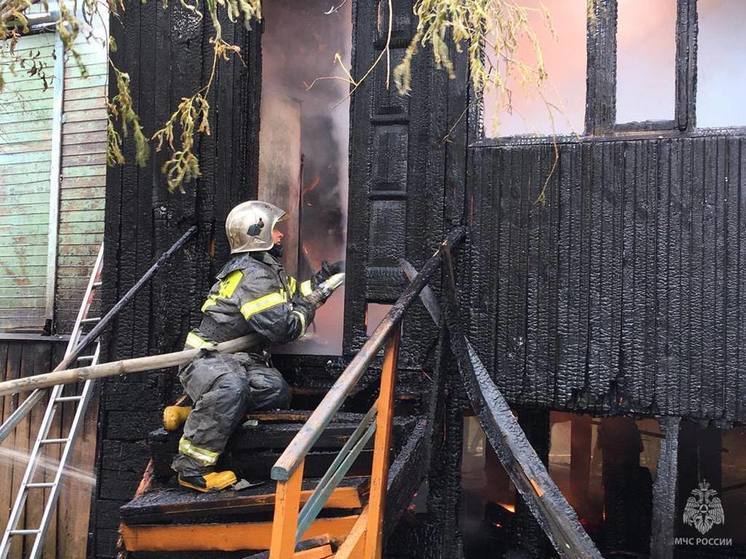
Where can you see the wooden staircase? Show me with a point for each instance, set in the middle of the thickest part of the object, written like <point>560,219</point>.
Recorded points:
<point>165,520</point>
<point>324,450</point>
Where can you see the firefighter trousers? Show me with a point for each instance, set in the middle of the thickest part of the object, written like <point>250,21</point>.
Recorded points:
<point>224,388</point>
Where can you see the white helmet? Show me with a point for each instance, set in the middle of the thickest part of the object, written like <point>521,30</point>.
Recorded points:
<point>249,226</point>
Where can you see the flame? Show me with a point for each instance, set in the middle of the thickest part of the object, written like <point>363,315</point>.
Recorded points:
<point>313,261</point>
<point>508,507</point>
<point>311,186</point>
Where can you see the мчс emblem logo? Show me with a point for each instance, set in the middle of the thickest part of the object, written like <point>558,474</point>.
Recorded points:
<point>703,509</point>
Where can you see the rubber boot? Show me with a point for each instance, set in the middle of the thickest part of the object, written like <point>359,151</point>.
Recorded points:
<point>214,481</point>
<point>175,416</point>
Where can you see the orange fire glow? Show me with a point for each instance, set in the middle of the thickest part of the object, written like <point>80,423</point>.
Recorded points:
<point>508,507</point>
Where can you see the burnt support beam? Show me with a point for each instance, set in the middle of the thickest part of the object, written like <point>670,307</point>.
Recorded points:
<point>664,491</point>
<point>523,465</point>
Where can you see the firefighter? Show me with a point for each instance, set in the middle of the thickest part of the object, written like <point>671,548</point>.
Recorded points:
<point>253,294</point>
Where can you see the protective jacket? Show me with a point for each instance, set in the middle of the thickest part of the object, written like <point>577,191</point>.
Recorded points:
<point>253,294</point>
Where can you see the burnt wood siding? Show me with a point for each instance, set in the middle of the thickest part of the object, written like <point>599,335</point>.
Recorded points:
<point>168,56</point>
<point>399,181</point>
<point>622,293</point>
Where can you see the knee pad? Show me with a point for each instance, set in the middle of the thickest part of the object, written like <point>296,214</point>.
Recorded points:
<point>268,389</point>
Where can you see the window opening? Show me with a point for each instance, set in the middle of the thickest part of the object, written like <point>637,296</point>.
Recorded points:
<point>303,153</point>
<point>721,74</point>
<point>558,107</point>
<point>646,60</point>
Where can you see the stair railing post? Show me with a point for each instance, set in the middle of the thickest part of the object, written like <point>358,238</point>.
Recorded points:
<point>380,469</point>
<point>287,503</point>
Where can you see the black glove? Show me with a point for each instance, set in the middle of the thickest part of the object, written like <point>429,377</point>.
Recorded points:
<point>327,270</point>
<point>308,309</point>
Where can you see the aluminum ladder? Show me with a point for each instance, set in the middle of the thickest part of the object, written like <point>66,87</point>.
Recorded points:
<point>56,399</point>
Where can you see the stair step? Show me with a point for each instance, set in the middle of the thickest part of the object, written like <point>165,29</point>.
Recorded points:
<point>252,451</point>
<point>237,536</point>
<point>171,504</point>
<point>316,548</point>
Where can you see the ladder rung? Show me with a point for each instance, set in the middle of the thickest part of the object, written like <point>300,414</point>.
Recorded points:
<point>92,319</point>
<point>97,284</point>
<point>40,484</point>
<point>24,532</point>
<point>86,357</point>
<point>68,398</point>
<point>53,441</point>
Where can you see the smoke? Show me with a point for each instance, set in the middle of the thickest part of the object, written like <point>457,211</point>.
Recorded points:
<point>300,41</point>
<point>559,105</point>
<point>721,74</point>
<point>646,60</point>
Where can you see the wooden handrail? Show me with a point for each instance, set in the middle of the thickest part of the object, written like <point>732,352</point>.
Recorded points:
<point>289,526</point>
<point>298,448</point>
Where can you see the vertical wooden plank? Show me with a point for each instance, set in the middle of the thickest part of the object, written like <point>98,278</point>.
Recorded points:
<point>584,285</point>
<point>32,353</point>
<point>485,277</point>
<point>52,544</point>
<point>685,281</point>
<point>696,272</point>
<point>675,248</point>
<point>504,227</point>
<point>720,256</point>
<point>598,368</point>
<point>6,464</point>
<point>619,255</point>
<point>732,273</point>
<point>710,246</point>
<point>630,343</point>
<point>20,442</point>
<point>572,368</point>
<point>740,385</point>
<point>643,394</point>
<point>77,488</point>
<point>636,350</point>
<point>660,395</point>
<point>548,183</point>
<point>380,467</point>
<point>285,521</point>
<point>532,335</point>
<point>564,377</point>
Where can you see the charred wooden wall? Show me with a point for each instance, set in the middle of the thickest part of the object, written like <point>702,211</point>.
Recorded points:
<point>407,164</point>
<point>623,292</point>
<point>167,55</point>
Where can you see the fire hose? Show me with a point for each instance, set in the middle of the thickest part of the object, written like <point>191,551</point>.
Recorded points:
<point>153,362</point>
